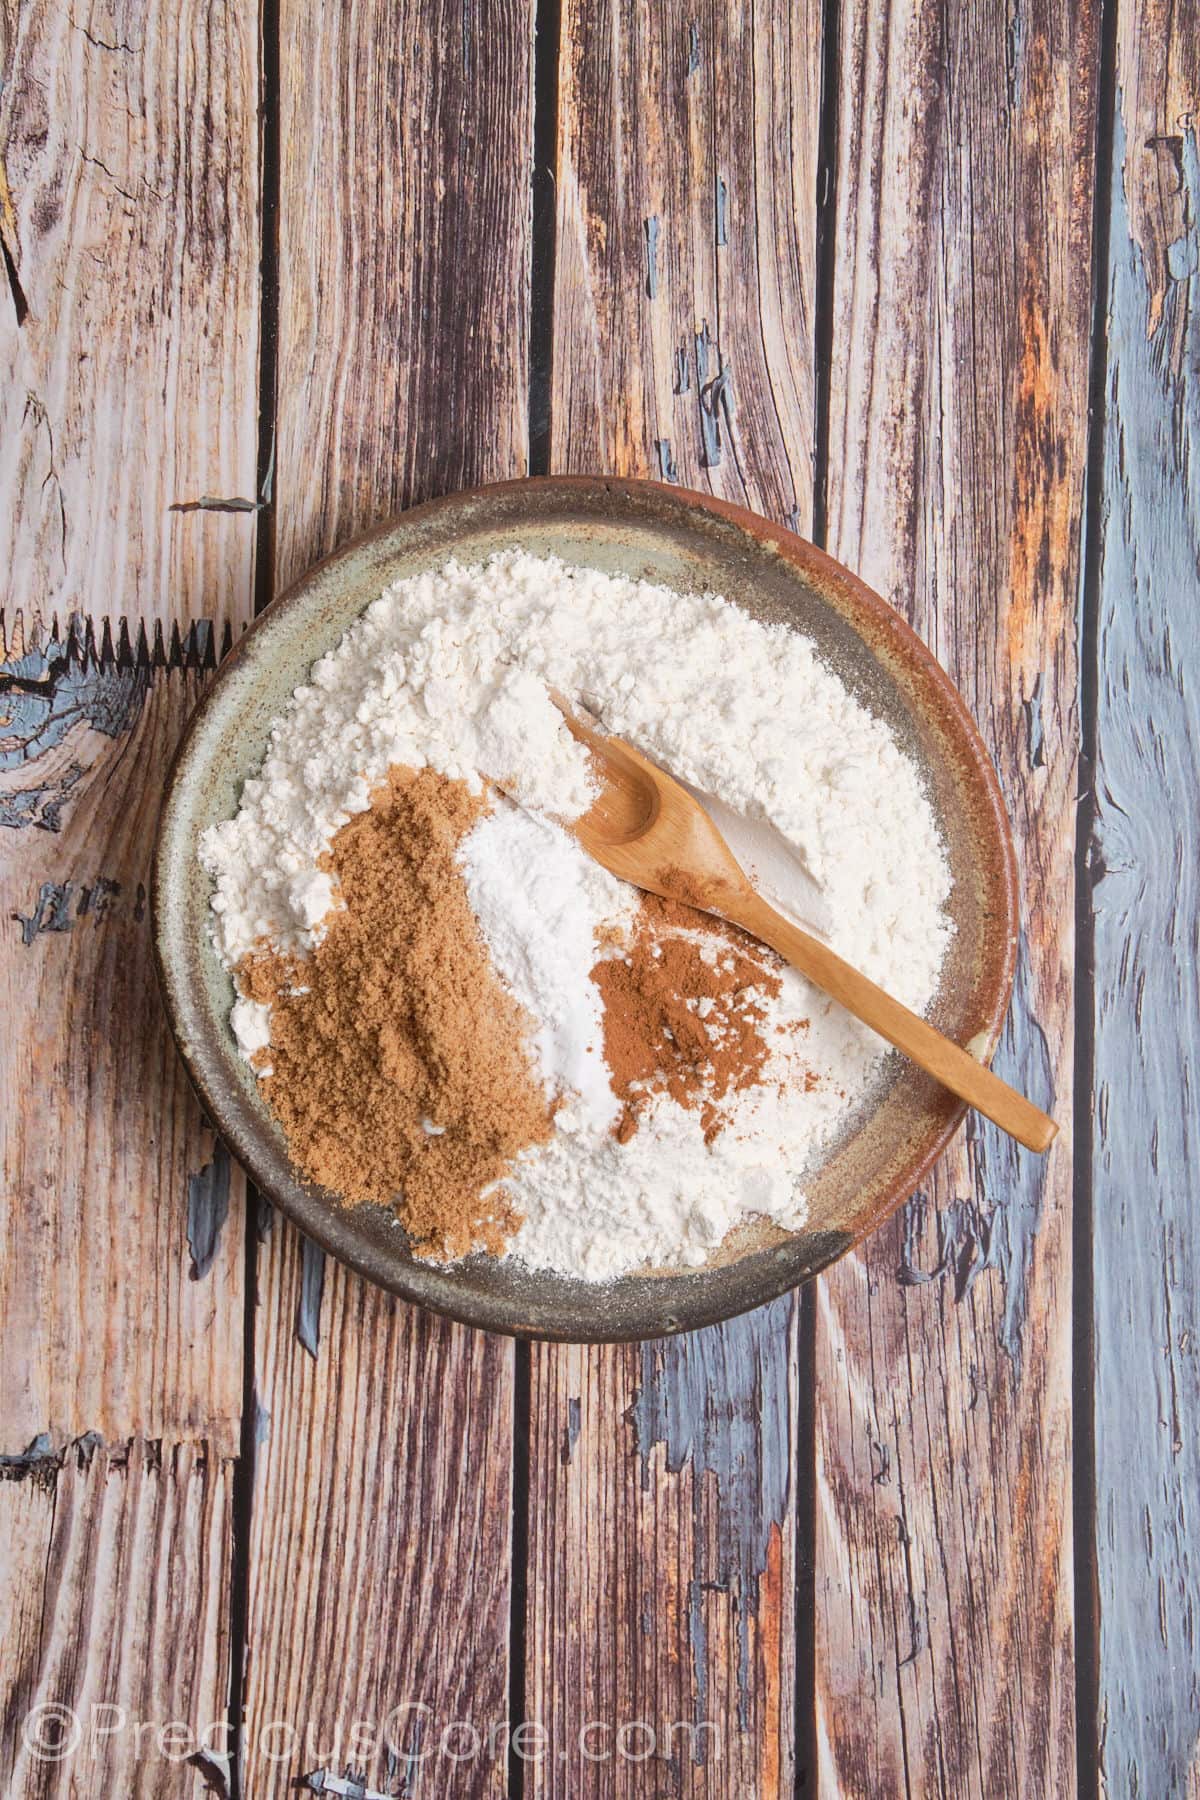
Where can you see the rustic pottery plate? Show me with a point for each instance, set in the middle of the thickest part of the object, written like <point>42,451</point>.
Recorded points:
<point>689,542</point>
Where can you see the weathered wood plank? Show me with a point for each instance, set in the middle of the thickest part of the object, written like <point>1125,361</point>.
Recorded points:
<point>129,339</point>
<point>384,1471</point>
<point>661,1600</point>
<point>1146,920</point>
<point>129,222</point>
<point>662,1519</point>
<point>684,279</point>
<point>406,137</point>
<point>114,1613</point>
<point>119,1283</point>
<point>958,416</point>
<point>379,1577</point>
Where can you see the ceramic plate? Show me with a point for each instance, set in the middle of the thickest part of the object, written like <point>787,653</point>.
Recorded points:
<point>688,542</point>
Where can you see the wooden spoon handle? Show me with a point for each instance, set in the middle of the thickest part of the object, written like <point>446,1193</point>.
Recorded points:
<point>916,1037</point>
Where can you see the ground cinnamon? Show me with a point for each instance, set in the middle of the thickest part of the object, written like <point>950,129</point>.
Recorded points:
<point>683,1013</point>
<point>398,1067</point>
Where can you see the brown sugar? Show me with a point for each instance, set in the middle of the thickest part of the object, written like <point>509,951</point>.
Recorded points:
<point>684,1017</point>
<point>398,1064</point>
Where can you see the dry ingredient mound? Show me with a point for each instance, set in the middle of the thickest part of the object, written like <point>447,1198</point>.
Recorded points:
<point>608,1134</point>
<point>398,1064</point>
<point>684,1012</point>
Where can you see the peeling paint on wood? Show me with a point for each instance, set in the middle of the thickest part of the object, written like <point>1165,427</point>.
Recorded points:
<point>1032,708</point>
<point>353,1786</point>
<point>957,454</point>
<point>1146,925</point>
<point>54,687</point>
<point>39,1451</point>
<point>703,342</point>
<point>59,906</point>
<point>964,1244</point>
<point>207,503</point>
<point>715,413</point>
<point>669,120</point>
<point>131,378</point>
<point>41,806</point>
<point>1009,1181</point>
<point>661,1572</point>
<point>719,1400</point>
<point>996,1227</point>
<point>208,1209</point>
<point>571,1429</point>
<point>215,1772</point>
<point>652,230</point>
<point>51,913</point>
<point>407,130</point>
<point>114,1584</point>
<point>312,1286</point>
<point>115,1133</point>
<point>676,1505</point>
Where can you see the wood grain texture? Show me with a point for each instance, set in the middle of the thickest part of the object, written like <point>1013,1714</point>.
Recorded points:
<point>662,1517</point>
<point>406,139</point>
<point>129,214</point>
<point>119,1282</point>
<point>684,281</point>
<point>958,414</point>
<point>661,1608</point>
<point>1146,921</point>
<point>114,1613</point>
<point>379,1582</point>
<point>128,340</point>
<point>385,1470</point>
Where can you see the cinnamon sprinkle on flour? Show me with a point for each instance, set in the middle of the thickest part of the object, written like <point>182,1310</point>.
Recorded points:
<point>684,1013</point>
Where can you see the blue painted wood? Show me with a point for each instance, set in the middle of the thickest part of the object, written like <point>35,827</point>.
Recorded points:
<point>1146,873</point>
<point>663,1526</point>
<point>663,1541</point>
<point>1009,1182</point>
<point>719,1400</point>
<point>208,1209</point>
<point>312,1289</point>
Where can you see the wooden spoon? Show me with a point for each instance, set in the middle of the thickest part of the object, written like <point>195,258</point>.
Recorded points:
<point>649,830</point>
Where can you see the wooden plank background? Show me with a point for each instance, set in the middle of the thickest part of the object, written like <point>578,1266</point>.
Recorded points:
<point>270,277</point>
<point>129,214</point>
<point>383,1470</point>
<point>958,439</point>
<point>133,301</point>
<point>662,1584</point>
<point>1146,908</point>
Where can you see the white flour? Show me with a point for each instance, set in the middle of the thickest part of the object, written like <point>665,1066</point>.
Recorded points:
<point>451,669</point>
<point>541,905</point>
